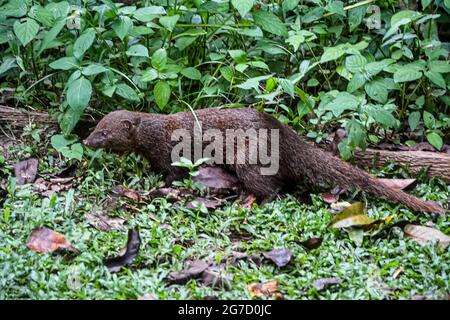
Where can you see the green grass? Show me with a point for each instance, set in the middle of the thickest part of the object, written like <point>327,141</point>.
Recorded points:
<point>367,270</point>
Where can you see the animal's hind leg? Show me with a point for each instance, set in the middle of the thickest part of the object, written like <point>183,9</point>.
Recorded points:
<point>264,187</point>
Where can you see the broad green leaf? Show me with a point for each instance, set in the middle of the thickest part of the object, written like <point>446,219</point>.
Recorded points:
<point>122,26</point>
<point>7,64</point>
<point>227,72</point>
<point>336,7</point>
<point>169,22</point>
<point>84,42</point>
<point>159,59</point>
<point>439,66</point>
<point>93,69</point>
<point>79,93</point>
<point>51,35</point>
<point>287,86</point>
<point>42,15</point>
<point>436,78</point>
<point>65,63</point>
<point>381,115</point>
<point>15,8</point>
<point>69,120</point>
<point>137,50</point>
<point>242,6</point>
<point>125,91</point>
<point>149,13</point>
<point>407,73</point>
<point>162,94</point>
<point>149,75</point>
<point>270,23</point>
<point>26,31</point>
<point>355,63</point>
<point>352,216</point>
<point>376,89</point>
<point>191,73</point>
<point>331,54</point>
<point>428,120</point>
<point>58,142</point>
<point>413,120</point>
<point>343,101</point>
<point>252,83</point>
<point>357,81</point>
<point>426,3</point>
<point>435,140</point>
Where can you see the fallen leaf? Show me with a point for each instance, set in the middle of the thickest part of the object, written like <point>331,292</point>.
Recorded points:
<point>423,235</point>
<point>312,243</point>
<point>46,240</point>
<point>280,257</point>
<point>47,188</point>
<point>208,203</point>
<point>397,272</point>
<point>399,184</point>
<point>216,277</point>
<point>236,255</point>
<point>126,193</point>
<point>216,177</point>
<point>330,198</point>
<point>351,216</point>
<point>264,290</point>
<point>248,202</point>
<point>129,252</point>
<point>356,235</point>
<point>103,222</point>
<point>26,170</point>
<point>193,270</point>
<point>322,283</point>
<point>170,194</point>
<point>339,206</point>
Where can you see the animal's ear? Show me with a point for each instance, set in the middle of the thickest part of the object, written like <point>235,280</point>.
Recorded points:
<point>127,124</point>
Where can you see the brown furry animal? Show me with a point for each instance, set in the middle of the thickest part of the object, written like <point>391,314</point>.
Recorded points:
<point>150,135</point>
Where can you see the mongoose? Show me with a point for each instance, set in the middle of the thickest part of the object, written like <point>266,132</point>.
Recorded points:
<point>299,161</point>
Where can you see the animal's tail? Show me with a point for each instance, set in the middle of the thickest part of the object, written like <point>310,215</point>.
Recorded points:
<point>324,166</point>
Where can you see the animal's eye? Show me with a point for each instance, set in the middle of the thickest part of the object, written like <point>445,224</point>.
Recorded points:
<point>104,133</point>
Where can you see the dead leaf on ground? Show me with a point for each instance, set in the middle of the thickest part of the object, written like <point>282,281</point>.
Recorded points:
<point>26,171</point>
<point>254,258</point>
<point>217,178</point>
<point>351,216</point>
<point>131,194</point>
<point>208,203</point>
<point>312,243</point>
<point>193,270</point>
<point>399,184</point>
<point>423,234</point>
<point>171,194</point>
<point>47,188</point>
<point>248,201</point>
<point>337,207</point>
<point>216,277</point>
<point>103,222</point>
<point>129,252</point>
<point>265,290</point>
<point>46,240</point>
<point>322,283</point>
<point>280,257</point>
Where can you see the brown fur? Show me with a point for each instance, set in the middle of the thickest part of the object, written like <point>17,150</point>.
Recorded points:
<point>150,135</point>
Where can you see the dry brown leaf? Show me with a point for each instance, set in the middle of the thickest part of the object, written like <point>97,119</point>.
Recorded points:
<point>208,203</point>
<point>247,203</point>
<point>280,257</point>
<point>26,171</point>
<point>423,234</point>
<point>322,283</point>
<point>46,240</point>
<point>217,178</point>
<point>131,194</point>
<point>399,184</point>
<point>264,290</point>
<point>103,222</point>
<point>127,254</point>
<point>193,270</point>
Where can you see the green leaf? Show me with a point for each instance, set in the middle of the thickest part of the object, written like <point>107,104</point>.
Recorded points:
<point>149,75</point>
<point>413,120</point>
<point>376,89</point>
<point>191,73</point>
<point>69,120</point>
<point>426,3</point>
<point>428,120</point>
<point>357,81</point>
<point>79,93</point>
<point>125,91</point>
<point>331,54</point>
<point>8,64</point>
<point>122,26</point>
<point>51,35</point>
<point>351,216</point>
<point>58,142</point>
<point>343,101</point>
<point>381,115</point>
<point>336,7</point>
<point>15,8</point>
<point>435,140</point>
<point>169,22</point>
<point>149,13</point>
<point>252,83</point>
<point>355,63</point>
<point>137,50</point>
<point>93,69</point>
<point>26,31</point>
<point>407,73</point>
<point>227,72</point>
<point>287,86</point>
<point>436,78</point>
<point>439,66</point>
<point>84,42</point>
<point>161,93</point>
<point>65,63</point>
<point>242,6</point>
<point>270,23</point>
<point>159,59</point>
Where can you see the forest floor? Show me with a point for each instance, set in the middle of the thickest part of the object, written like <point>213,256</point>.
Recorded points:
<point>323,263</point>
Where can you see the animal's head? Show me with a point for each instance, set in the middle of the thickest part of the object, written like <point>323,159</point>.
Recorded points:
<point>115,132</point>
